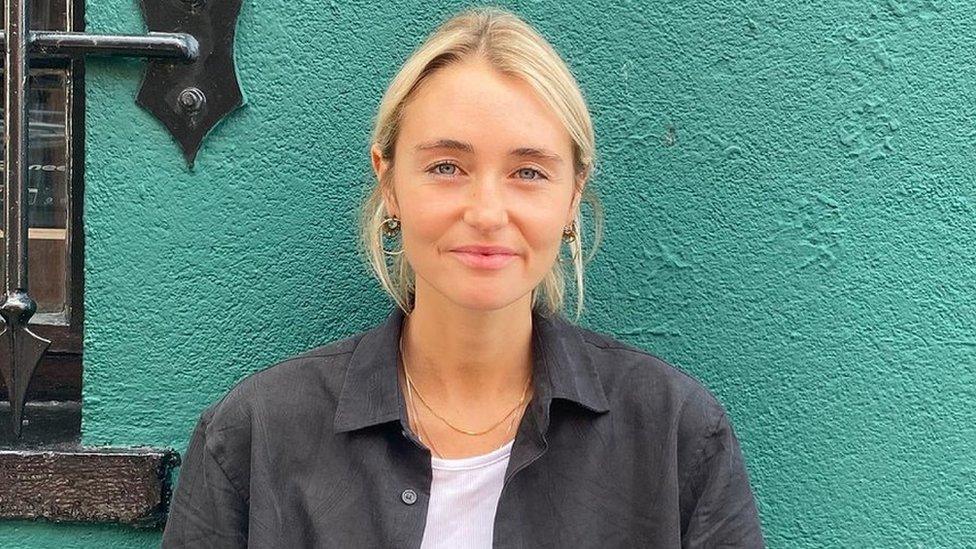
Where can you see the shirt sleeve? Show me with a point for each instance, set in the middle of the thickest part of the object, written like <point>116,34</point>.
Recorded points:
<point>725,513</point>
<point>207,510</point>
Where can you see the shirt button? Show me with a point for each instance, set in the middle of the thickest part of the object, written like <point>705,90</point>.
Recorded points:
<point>409,497</point>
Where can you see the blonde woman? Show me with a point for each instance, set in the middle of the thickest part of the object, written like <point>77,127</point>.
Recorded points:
<point>476,415</point>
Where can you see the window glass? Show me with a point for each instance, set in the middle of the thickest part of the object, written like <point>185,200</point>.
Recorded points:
<point>47,193</point>
<point>45,15</point>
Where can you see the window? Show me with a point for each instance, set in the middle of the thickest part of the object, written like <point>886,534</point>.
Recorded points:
<point>52,415</point>
<point>40,470</point>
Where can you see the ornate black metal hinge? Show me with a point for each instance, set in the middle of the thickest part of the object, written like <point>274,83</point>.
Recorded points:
<point>190,84</point>
<point>203,91</point>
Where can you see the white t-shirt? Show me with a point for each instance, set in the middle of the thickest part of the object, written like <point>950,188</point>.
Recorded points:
<point>464,495</point>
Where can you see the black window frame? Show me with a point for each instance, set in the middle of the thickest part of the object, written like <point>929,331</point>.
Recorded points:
<point>54,395</point>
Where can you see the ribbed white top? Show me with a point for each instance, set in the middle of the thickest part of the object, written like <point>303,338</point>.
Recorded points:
<point>464,495</point>
<point>472,462</point>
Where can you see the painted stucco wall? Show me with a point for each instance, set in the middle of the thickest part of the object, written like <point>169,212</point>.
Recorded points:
<point>791,217</point>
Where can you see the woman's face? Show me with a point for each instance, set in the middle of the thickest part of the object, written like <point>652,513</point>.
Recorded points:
<point>480,161</point>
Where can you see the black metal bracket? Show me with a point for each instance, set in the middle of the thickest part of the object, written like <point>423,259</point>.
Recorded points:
<point>191,98</point>
<point>190,84</point>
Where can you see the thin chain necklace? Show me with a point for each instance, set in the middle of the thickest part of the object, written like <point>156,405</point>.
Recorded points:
<point>411,388</point>
<point>422,431</point>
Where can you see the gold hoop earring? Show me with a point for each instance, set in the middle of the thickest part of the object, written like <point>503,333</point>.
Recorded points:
<point>569,237</point>
<point>391,228</point>
<point>569,232</point>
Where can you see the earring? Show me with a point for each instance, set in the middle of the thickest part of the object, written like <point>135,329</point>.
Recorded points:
<point>569,232</point>
<point>569,237</point>
<point>391,228</point>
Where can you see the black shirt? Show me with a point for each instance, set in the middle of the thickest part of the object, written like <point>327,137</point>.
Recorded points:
<point>617,448</point>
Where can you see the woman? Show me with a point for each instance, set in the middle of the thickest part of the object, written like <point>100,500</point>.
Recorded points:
<point>476,415</point>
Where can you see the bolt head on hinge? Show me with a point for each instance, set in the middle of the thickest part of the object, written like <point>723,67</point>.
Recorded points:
<point>192,100</point>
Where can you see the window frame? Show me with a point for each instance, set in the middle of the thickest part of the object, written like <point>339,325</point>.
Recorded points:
<point>58,376</point>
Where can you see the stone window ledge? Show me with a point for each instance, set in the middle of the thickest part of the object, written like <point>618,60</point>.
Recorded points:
<point>61,481</point>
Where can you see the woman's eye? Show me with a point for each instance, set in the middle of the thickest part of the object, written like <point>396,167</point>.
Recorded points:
<point>530,171</point>
<point>451,169</point>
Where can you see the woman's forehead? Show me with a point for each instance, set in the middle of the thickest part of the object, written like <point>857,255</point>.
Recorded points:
<point>475,105</point>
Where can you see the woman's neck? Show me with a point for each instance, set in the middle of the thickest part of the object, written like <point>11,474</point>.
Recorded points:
<point>468,360</point>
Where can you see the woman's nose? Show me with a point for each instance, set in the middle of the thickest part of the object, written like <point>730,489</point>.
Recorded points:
<point>486,208</point>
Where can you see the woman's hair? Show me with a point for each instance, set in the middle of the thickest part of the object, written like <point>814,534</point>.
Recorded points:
<point>514,48</point>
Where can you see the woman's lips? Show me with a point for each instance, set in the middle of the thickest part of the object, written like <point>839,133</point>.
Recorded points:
<point>484,261</point>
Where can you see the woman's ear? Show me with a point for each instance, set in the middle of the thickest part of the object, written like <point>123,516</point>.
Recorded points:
<point>577,198</point>
<point>380,168</point>
<point>379,165</point>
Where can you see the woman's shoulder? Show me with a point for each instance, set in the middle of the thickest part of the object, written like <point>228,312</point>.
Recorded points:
<point>293,385</point>
<point>640,381</point>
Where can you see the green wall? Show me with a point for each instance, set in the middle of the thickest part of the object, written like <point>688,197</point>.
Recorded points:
<point>791,217</point>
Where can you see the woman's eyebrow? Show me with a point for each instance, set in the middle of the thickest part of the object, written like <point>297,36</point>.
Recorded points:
<point>446,144</point>
<point>530,152</point>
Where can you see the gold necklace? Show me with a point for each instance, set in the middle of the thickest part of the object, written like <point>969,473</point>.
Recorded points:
<point>411,388</point>
<point>421,430</point>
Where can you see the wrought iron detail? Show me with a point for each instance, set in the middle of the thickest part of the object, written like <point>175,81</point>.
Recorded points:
<point>172,45</point>
<point>20,349</point>
<point>190,46</point>
<point>191,98</point>
<point>190,84</point>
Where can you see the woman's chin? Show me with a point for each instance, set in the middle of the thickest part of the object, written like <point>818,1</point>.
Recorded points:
<point>484,300</point>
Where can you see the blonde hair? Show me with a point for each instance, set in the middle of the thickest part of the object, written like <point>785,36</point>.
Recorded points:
<point>514,48</point>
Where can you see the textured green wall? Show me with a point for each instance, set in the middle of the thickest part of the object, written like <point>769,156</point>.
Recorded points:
<point>791,208</point>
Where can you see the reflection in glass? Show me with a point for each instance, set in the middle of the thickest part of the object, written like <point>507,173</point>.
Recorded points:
<point>47,190</point>
<point>45,15</point>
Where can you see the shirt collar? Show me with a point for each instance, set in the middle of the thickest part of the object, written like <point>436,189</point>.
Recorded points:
<point>562,368</point>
